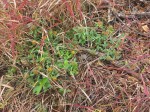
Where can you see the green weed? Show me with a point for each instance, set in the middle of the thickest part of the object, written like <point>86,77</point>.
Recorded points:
<point>89,38</point>
<point>55,57</point>
<point>48,62</point>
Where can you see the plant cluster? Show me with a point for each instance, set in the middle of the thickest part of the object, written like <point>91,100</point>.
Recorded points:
<point>50,57</point>
<point>89,37</point>
<point>49,61</point>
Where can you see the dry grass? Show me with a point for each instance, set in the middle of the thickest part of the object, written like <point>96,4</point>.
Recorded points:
<point>119,86</point>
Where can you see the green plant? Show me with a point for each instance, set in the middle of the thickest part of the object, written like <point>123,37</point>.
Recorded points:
<point>88,37</point>
<point>48,62</point>
<point>49,57</point>
<point>63,91</point>
<point>42,84</point>
<point>12,70</point>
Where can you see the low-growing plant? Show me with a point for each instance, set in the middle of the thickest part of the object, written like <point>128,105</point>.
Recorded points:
<point>47,65</point>
<point>103,41</point>
<point>47,59</point>
<point>42,84</point>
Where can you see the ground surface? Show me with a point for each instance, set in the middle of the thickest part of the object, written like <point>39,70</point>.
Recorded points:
<point>74,56</point>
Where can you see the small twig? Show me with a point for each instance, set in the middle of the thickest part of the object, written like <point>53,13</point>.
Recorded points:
<point>133,15</point>
<point>90,51</point>
<point>85,94</point>
<point>120,20</point>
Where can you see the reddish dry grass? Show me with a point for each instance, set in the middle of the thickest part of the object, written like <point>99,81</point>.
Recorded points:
<point>121,86</point>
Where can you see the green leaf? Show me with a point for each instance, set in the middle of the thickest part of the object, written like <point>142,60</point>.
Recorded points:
<point>66,64</point>
<point>46,86</point>
<point>37,89</point>
<point>43,81</point>
<point>63,91</point>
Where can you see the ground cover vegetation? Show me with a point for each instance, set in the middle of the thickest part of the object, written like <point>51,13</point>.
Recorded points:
<point>74,56</point>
